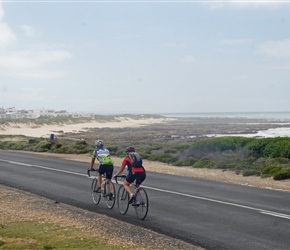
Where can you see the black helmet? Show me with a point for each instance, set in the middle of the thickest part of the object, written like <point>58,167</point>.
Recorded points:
<point>130,149</point>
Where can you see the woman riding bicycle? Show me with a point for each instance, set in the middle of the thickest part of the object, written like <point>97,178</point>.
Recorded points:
<point>136,170</point>
<point>106,163</point>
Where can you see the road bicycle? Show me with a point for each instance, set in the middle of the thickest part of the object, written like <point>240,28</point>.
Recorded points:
<point>108,191</point>
<point>140,201</point>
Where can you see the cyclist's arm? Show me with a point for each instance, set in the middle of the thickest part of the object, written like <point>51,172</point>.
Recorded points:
<point>92,163</point>
<point>123,165</point>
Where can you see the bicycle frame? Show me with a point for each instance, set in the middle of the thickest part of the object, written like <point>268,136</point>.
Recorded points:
<point>109,193</point>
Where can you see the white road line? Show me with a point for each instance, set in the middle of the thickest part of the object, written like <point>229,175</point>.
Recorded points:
<point>285,216</point>
<point>165,191</point>
<point>43,167</point>
<point>223,202</point>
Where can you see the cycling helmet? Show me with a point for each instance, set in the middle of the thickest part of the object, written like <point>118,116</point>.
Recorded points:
<point>130,149</point>
<point>99,143</point>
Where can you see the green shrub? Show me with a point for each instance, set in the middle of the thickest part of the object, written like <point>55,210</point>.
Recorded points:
<point>112,149</point>
<point>221,143</point>
<point>20,146</point>
<point>14,145</point>
<point>33,141</point>
<point>120,153</point>
<point>251,172</point>
<point>189,161</point>
<point>155,146</point>
<point>42,146</point>
<point>270,170</point>
<point>81,147</point>
<point>256,147</point>
<point>278,148</point>
<point>233,165</point>
<point>82,143</point>
<point>204,163</point>
<point>278,160</point>
<point>269,147</point>
<point>282,175</point>
<point>166,158</point>
<point>171,151</point>
<point>182,147</point>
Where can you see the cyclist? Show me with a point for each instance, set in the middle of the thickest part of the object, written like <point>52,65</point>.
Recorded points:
<point>136,170</point>
<point>106,163</point>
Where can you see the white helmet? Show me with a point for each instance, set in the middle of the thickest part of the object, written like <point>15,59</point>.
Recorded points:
<point>99,143</point>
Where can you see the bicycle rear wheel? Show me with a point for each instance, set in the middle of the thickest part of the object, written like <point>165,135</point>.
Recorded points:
<point>110,194</point>
<point>96,197</point>
<point>122,200</point>
<point>141,203</point>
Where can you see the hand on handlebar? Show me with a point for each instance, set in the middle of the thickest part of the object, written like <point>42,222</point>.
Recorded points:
<point>89,170</point>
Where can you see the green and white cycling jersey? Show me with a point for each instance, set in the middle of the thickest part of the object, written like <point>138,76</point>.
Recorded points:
<point>103,156</point>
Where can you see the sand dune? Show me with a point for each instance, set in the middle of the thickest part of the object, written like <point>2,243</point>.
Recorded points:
<point>31,129</point>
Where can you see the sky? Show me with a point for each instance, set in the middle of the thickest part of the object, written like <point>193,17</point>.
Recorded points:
<point>112,57</point>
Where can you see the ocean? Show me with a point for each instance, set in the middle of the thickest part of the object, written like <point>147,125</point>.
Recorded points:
<point>277,116</point>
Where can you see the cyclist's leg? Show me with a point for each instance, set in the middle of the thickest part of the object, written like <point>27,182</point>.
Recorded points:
<point>110,194</point>
<point>129,179</point>
<point>109,171</point>
<point>109,174</point>
<point>140,177</point>
<point>102,170</point>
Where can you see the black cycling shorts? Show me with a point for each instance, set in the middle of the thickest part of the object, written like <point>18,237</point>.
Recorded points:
<point>107,169</point>
<point>139,177</point>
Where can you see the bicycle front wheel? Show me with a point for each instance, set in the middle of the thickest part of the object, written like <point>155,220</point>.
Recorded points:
<point>141,203</point>
<point>122,200</point>
<point>110,194</point>
<point>96,197</point>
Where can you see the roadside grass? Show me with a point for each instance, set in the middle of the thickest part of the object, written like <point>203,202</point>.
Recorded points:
<point>42,235</point>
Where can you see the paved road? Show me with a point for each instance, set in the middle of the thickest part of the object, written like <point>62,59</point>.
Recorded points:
<point>210,214</point>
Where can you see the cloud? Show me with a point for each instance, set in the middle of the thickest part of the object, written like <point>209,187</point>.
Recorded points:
<point>189,59</point>
<point>278,49</point>
<point>175,45</point>
<point>28,30</point>
<point>22,94</point>
<point>31,59</point>
<point>247,4</point>
<point>1,12</point>
<point>236,41</point>
<point>7,37</point>
<point>27,63</point>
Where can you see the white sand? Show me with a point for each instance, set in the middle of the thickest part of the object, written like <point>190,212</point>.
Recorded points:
<point>45,130</point>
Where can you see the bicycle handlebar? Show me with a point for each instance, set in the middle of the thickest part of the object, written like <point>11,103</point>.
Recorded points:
<point>123,176</point>
<point>91,170</point>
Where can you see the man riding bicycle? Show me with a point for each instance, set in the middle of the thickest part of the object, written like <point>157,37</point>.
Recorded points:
<point>136,170</point>
<point>106,163</point>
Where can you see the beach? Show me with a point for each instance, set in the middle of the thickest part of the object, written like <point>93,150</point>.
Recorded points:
<point>35,130</point>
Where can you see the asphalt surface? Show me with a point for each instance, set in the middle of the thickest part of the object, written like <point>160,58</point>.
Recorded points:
<point>210,214</point>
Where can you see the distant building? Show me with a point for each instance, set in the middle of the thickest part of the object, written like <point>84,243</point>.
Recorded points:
<point>12,113</point>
